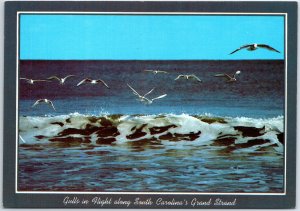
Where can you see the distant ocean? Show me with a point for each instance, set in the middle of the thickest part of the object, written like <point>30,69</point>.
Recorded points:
<point>209,136</point>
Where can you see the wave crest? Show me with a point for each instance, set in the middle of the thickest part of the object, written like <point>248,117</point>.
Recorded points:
<point>224,133</point>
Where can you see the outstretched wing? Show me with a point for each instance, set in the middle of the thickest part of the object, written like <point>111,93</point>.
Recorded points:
<point>41,80</point>
<point>25,79</point>
<point>268,47</point>
<point>161,96</point>
<point>50,102</point>
<point>83,81</point>
<point>53,77</point>
<point>179,77</point>
<point>148,70</point>
<point>223,75</point>
<point>198,79</point>
<point>37,102</point>
<point>134,92</point>
<point>103,83</point>
<point>149,92</point>
<point>240,48</point>
<point>68,76</point>
<point>161,71</point>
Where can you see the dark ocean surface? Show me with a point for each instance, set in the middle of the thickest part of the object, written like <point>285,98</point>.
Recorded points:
<point>258,92</point>
<point>209,136</point>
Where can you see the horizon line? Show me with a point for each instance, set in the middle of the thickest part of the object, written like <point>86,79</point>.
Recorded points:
<point>151,60</point>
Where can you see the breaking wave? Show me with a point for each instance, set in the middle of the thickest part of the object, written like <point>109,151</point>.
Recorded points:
<point>225,133</point>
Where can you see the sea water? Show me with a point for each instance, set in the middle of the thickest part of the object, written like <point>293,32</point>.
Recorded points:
<point>209,136</point>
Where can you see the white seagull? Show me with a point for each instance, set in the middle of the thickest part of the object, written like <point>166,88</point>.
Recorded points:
<point>156,71</point>
<point>61,80</point>
<point>43,101</point>
<point>31,81</point>
<point>187,77</point>
<point>143,98</point>
<point>88,80</point>
<point>255,46</point>
<point>230,78</point>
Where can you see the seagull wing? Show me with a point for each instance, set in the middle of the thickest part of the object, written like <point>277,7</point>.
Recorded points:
<point>240,48</point>
<point>179,77</point>
<point>134,92</point>
<point>198,79</point>
<point>268,47</point>
<point>50,102</point>
<point>220,75</point>
<point>41,80</point>
<point>161,71</point>
<point>25,79</point>
<point>83,81</point>
<point>68,76</point>
<point>161,96</point>
<point>54,77</point>
<point>37,102</point>
<point>103,83</point>
<point>223,75</point>
<point>148,70</point>
<point>149,92</point>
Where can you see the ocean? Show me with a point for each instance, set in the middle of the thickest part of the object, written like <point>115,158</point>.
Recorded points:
<point>208,136</point>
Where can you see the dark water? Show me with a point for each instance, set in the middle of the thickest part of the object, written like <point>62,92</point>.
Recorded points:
<point>239,148</point>
<point>259,91</point>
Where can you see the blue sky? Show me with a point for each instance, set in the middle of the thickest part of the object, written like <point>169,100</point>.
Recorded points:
<point>148,37</point>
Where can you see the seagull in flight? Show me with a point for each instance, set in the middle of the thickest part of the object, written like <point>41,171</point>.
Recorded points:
<point>43,101</point>
<point>88,80</point>
<point>61,80</point>
<point>187,77</point>
<point>31,81</point>
<point>156,71</point>
<point>229,77</point>
<point>255,46</point>
<point>143,98</point>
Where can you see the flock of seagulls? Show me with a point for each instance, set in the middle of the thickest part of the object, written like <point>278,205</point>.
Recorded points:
<point>143,98</point>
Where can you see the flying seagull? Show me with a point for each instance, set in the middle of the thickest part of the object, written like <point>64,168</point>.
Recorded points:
<point>254,46</point>
<point>88,80</point>
<point>31,81</point>
<point>143,98</point>
<point>229,78</point>
<point>156,71</point>
<point>187,77</point>
<point>61,80</point>
<point>43,101</point>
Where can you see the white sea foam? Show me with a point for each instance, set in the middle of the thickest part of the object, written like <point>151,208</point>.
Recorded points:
<point>169,129</point>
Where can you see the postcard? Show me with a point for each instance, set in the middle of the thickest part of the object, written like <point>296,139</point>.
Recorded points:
<point>150,105</point>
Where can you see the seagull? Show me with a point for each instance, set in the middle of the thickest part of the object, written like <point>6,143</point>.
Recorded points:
<point>61,80</point>
<point>43,101</point>
<point>230,78</point>
<point>255,46</point>
<point>143,98</point>
<point>188,77</point>
<point>87,80</point>
<point>156,71</point>
<point>31,81</point>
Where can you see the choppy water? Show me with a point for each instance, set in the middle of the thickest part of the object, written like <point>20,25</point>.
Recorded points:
<point>203,137</point>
